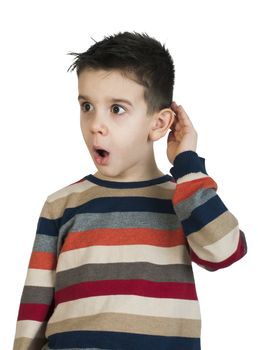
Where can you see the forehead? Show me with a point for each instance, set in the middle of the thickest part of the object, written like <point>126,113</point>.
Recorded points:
<point>109,83</point>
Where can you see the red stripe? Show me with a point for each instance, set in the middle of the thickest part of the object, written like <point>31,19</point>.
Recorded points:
<point>35,312</point>
<point>175,290</point>
<point>42,260</point>
<point>187,189</point>
<point>213,266</point>
<point>124,236</point>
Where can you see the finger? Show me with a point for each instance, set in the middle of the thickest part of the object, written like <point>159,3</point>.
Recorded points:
<point>177,108</point>
<point>182,115</point>
<point>177,127</point>
<point>175,123</point>
<point>174,106</point>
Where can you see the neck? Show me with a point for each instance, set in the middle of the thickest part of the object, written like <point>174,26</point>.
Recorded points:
<point>145,170</point>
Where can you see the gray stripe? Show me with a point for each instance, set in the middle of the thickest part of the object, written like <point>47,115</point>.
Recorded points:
<point>185,208</point>
<point>116,271</point>
<point>91,221</point>
<point>45,243</point>
<point>37,295</point>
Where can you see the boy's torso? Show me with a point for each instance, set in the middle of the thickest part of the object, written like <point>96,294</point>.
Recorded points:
<point>123,273</point>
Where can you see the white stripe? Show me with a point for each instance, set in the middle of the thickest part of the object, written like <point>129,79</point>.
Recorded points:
<point>130,304</point>
<point>123,253</point>
<point>40,278</point>
<point>220,250</point>
<point>169,185</point>
<point>29,329</point>
<point>191,177</point>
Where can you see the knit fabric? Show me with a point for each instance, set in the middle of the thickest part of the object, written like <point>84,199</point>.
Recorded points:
<point>111,265</point>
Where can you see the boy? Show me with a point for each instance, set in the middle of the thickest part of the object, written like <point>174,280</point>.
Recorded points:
<point>111,262</point>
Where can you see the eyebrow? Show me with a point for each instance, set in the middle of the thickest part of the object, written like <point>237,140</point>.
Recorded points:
<point>81,97</point>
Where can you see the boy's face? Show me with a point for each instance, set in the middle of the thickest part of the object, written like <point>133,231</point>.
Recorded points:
<point>120,127</point>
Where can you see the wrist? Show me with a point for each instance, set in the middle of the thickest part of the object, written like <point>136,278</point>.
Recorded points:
<point>187,162</point>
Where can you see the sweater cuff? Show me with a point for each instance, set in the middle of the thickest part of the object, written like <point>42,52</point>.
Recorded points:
<point>187,162</point>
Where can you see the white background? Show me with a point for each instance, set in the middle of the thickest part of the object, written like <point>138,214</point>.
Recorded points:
<point>213,44</point>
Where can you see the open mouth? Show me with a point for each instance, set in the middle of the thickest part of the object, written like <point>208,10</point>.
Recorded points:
<point>103,153</point>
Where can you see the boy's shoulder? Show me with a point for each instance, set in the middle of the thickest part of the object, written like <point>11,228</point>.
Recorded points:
<point>69,196</point>
<point>73,188</point>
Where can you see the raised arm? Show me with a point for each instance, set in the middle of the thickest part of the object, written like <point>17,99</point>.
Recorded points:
<point>212,231</point>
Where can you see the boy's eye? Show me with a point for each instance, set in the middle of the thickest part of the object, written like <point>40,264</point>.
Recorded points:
<point>115,107</point>
<point>86,109</point>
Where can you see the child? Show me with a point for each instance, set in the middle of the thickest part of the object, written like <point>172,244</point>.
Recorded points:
<point>111,261</point>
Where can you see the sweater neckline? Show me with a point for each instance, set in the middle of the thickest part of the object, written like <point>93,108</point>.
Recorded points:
<point>128,184</point>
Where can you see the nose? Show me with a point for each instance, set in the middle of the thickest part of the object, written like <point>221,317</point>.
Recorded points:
<point>99,125</point>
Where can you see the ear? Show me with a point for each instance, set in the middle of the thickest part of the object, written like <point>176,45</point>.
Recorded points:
<point>161,123</point>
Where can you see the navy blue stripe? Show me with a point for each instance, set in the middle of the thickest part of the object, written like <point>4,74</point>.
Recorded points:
<point>121,204</point>
<point>106,205</point>
<point>204,214</point>
<point>128,184</point>
<point>121,341</point>
<point>47,226</point>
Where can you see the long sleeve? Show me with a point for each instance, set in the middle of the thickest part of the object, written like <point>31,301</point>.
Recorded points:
<point>37,301</point>
<point>212,231</point>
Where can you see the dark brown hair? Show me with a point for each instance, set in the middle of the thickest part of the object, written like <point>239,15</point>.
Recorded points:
<point>138,57</point>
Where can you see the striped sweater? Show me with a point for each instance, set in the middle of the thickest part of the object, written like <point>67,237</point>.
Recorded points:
<point>111,265</point>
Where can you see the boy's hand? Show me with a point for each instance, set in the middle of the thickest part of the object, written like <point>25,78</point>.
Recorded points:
<point>183,136</point>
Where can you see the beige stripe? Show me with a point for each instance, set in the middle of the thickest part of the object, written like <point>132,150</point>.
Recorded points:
<point>30,329</point>
<point>118,322</point>
<point>214,230</point>
<point>80,193</point>
<point>40,278</point>
<point>131,304</point>
<point>191,177</point>
<point>170,186</point>
<point>122,253</point>
<point>70,189</point>
<point>31,344</point>
<point>220,250</point>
